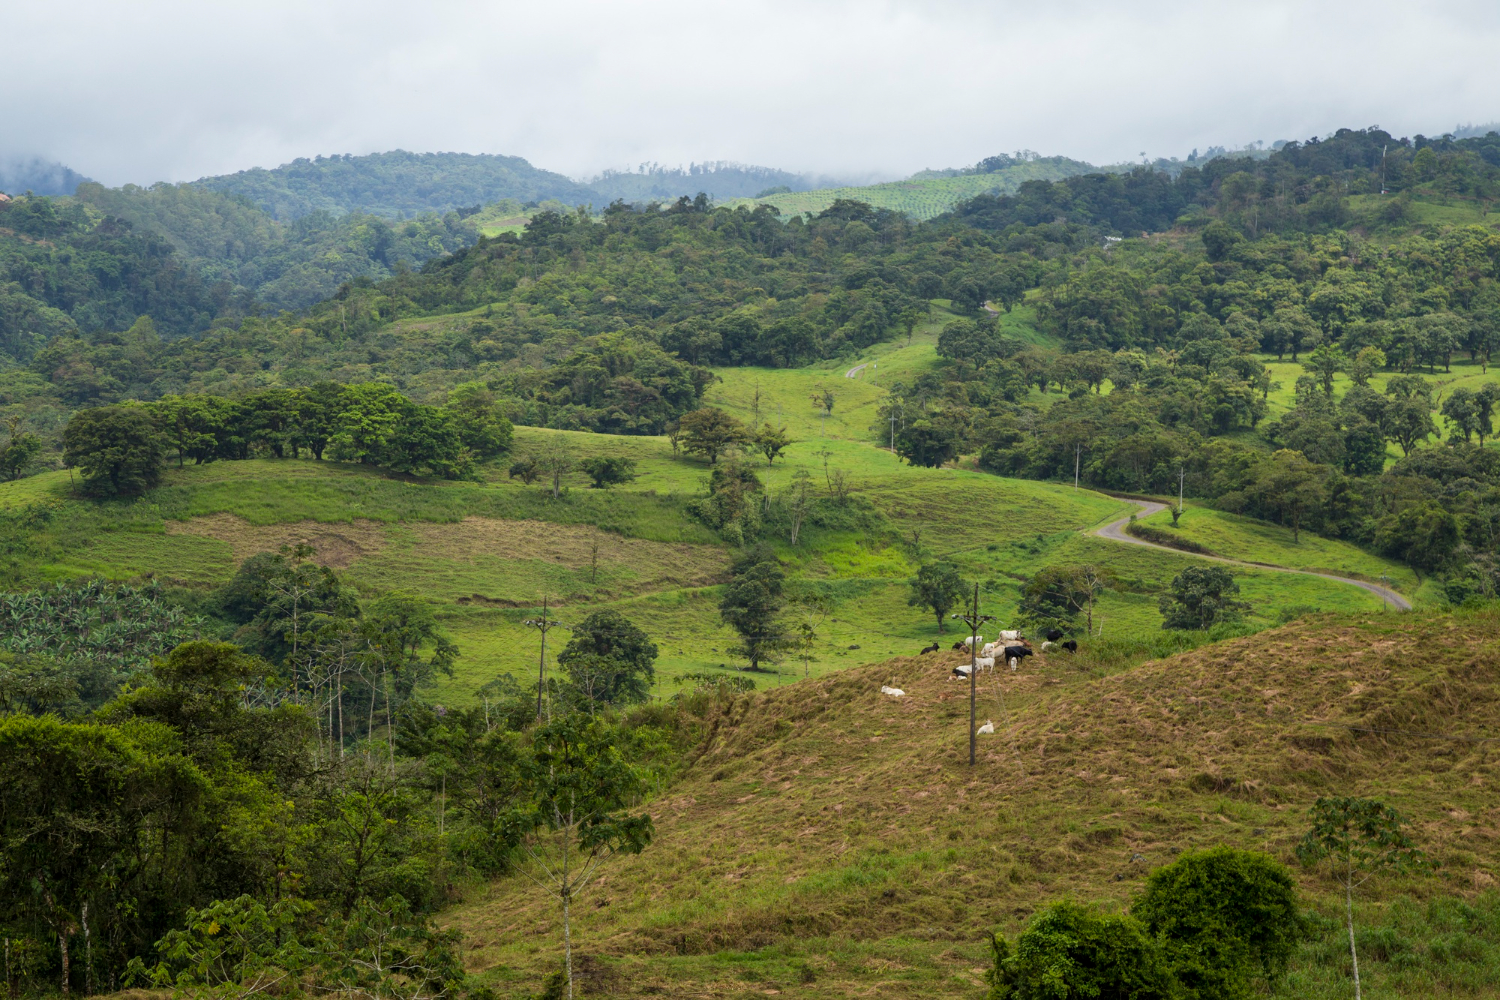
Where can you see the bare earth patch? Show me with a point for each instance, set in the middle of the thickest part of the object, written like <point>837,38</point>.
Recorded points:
<point>571,545</point>
<point>335,545</point>
<point>657,564</point>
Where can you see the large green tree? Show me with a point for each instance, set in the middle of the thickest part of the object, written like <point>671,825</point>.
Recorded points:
<point>752,604</point>
<point>609,659</point>
<point>936,587</point>
<point>710,432</point>
<point>1201,597</point>
<point>118,449</point>
<point>1225,916</point>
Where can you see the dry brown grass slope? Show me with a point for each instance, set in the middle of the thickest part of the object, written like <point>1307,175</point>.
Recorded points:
<point>825,814</point>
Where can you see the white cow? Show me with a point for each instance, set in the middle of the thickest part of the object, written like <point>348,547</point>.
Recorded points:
<point>893,692</point>
<point>988,727</point>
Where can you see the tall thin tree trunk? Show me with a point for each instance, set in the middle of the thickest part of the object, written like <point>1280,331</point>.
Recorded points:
<point>62,947</point>
<point>88,953</point>
<point>1349,913</point>
<point>567,926</point>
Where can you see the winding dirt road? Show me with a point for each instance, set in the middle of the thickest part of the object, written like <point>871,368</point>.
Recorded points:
<point>851,373</point>
<point>1115,532</point>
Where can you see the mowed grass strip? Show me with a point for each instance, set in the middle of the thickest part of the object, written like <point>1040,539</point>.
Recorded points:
<point>827,812</point>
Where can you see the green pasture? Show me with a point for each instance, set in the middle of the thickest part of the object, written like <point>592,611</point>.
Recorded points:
<point>399,532</point>
<point>1260,541</point>
<point>919,197</point>
<point>1463,372</point>
<point>1428,210</point>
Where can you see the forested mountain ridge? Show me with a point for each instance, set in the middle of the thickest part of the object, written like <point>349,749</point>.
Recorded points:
<point>276,264</point>
<point>1299,187</point>
<point>396,184</point>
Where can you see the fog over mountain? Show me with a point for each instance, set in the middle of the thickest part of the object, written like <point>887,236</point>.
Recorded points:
<point>174,91</point>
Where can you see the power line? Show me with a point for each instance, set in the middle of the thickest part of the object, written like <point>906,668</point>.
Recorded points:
<point>543,625</point>
<point>973,620</point>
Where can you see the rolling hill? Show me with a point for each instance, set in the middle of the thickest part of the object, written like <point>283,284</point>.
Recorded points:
<point>830,841</point>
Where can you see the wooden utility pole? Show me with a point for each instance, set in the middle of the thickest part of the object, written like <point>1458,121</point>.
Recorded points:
<point>1077,456</point>
<point>973,620</point>
<point>1181,474</point>
<point>543,625</point>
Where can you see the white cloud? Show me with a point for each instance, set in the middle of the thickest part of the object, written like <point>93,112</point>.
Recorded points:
<point>165,89</point>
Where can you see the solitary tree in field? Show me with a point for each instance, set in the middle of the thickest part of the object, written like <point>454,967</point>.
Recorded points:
<point>1325,361</point>
<point>1366,362</point>
<point>1201,597</point>
<point>710,432</point>
<point>823,400</point>
<point>1359,838</point>
<point>936,587</point>
<point>771,441</point>
<point>610,660</point>
<point>752,605</point>
<point>1059,594</point>
<point>909,319</point>
<point>527,469</point>
<point>579,812</point>
<point>1291,485</point>
<point>556,461</point>
<point>607,472</point>
<point>117,448</point>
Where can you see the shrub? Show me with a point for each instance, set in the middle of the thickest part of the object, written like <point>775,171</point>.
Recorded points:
<point>1223,916</point>
<point>1070,950</point>
<point>607,472</point>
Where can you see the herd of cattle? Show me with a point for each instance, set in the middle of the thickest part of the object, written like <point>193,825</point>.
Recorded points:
<point>1008,646</point>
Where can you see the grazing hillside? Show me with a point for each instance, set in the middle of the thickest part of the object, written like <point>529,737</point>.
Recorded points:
<point>829,840</point>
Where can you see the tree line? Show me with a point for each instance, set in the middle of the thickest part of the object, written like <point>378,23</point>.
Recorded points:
<point>121,450</point>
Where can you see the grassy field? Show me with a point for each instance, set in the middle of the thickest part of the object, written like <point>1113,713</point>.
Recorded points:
<point>487,553</point>
<point>833,842</point>
<point>1259,541</point>
<point>1428,210</point>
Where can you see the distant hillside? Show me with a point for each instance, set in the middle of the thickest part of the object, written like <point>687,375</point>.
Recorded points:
<point>931,193</point>
<point>720,181</point>
<point>20,174</point>
<point>286,265</point>
<point>397,184</point>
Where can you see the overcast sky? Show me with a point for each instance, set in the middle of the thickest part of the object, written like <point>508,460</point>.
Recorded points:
<point>146,90</point>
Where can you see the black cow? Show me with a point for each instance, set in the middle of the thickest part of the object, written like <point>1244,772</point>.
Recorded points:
<point>1071,645</point>
<point>1052,634</point>
<point>928,649</point>
<point>1017,652</point>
